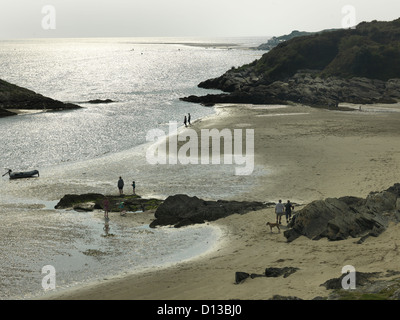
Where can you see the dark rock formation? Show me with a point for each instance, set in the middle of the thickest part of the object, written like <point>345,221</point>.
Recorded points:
<point>277,272</point>
<point>91,201</point>
<point>368,286</point>
<point>338,219</point>
<point>6,113</point>
<point>71,200</point>
<point>305,87</point>
<point>269,273</point>
<point>97,101</point>
<point>279,297</point>
<point>362,279</point>
<point>240,277</point>
<point>181,210</point>
<point>15,97</point>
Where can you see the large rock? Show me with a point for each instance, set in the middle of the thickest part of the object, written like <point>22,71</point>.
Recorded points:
<point>338,219</point>
<point>91,201</point>
<point>304,87</point>
<point>15,97</point>
<point>71,200</point>
<point>181,210</point>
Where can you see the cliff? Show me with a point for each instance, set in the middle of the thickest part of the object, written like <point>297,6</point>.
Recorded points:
<point>362,63</point>
<point>15,97</point>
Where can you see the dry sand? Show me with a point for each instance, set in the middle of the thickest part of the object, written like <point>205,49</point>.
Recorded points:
<point>309,154</point>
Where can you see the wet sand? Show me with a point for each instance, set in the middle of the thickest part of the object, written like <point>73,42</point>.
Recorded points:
<point>306,154</point>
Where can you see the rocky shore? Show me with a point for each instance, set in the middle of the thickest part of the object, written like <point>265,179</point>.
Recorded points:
<point>13,97</point>
<point>335,219</point>
<point>305,87</point>
<point>323,69</point>
<point>332,218</point>
<point>92,201</point>
<point>181,210</point>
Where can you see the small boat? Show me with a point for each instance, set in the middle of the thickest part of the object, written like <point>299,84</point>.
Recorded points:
<point>23,174</point>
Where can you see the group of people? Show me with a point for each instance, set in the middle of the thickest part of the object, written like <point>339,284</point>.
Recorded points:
<point>121,184</point>
<point>106,202</point>
<point>283,209</point>
<point>186,120</point>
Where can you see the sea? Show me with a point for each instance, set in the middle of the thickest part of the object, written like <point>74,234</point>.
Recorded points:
<point>87,149</point>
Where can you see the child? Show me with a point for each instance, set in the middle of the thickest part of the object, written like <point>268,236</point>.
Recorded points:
<point>106,205</point>
<point>133,187</point>
<point>121,209</point>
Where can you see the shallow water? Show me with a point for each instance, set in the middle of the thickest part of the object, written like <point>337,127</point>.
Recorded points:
<point>81,250</point>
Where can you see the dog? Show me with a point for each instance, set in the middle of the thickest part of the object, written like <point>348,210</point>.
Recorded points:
<point>272,225</point>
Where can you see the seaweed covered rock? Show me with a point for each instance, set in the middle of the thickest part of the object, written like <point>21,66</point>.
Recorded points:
<point>71,200</point>
<point>91,201</point>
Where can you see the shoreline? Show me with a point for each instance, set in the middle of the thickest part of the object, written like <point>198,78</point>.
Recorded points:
<point>313,155</point>
<point>120,276</point>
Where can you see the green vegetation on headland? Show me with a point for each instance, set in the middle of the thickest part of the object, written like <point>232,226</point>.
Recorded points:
<point>274,41</point>
<point>370,50</point>
<point>15,97</point>
<point>348,65</point>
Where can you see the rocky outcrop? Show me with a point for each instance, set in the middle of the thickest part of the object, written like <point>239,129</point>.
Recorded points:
<point>92,201</point>
<point>338,219</point>
<point>182,210</point>
<point>358,65</point>
<point>71,200</point>
<point>15,97</point>
<point>240,276</point>
<point>277,272</point>
<point>305,87</point>
<point>98,101</point>
<point>6,113</point>
<point>368,286</point>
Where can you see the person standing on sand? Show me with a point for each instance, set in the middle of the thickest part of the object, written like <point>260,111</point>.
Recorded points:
<point>121,186</point>
<point>288,210</point>
<point>279,209</point>
<point>185,122</point>
<point>189,119</point>
<point>106,205</point>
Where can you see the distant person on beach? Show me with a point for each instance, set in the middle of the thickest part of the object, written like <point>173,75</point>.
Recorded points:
<point>288,210</point>
<point>121,186</point>
<point>189,118</point>
<point>106,205</point>
<point>185,122</point>
<point>133,187</point>
<point>122,212</point>
<point>279,210</point>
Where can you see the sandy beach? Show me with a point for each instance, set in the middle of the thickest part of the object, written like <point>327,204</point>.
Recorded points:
<point>307,154</point>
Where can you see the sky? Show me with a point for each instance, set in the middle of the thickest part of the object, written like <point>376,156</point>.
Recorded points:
<point>184,18</point>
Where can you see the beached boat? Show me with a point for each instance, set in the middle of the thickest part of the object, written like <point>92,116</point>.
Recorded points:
<point>23,174</point>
